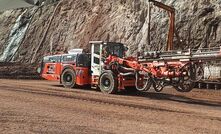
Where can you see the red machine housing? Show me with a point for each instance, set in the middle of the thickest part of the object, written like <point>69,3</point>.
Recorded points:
<point>53,67</point>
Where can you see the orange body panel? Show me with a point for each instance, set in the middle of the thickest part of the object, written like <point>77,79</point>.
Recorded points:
<point>83,76</point>
<point>52,71</point>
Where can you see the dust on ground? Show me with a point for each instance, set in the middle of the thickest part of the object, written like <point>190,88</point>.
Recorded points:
<point>37,106</point>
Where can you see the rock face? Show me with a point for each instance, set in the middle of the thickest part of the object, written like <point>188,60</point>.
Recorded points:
<point>69,24</point>
<point>7,19</point>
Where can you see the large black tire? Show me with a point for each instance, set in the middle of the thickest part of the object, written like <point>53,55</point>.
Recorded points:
<point>108,84</point>
<point>68,78</point>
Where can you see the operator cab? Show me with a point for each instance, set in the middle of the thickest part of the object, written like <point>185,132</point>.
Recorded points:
<point>99,52</point>
<point>116,49</point>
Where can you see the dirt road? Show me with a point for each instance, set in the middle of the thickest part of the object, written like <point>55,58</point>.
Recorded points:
<point>36,106</point>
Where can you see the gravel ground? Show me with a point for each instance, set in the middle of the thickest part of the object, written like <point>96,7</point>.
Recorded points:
<point>37,106</point>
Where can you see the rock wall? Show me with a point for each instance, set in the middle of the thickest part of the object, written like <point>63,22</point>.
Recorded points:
<point>72,24</point>
<point>7,21</point>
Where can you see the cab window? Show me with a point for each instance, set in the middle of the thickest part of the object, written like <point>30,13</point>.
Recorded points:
<point>69,58</point>
<point>114,49</point>
<point>51,59</point>
<point>83,60</point>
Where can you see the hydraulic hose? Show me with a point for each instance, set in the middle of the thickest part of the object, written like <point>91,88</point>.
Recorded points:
<point>146,86</point>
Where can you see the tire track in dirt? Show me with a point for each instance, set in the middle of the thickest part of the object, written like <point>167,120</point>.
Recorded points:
<point>107,101</point>
<point>150,95</point>
<point>91,100</point>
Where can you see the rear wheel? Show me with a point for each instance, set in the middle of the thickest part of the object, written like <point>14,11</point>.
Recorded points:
<point>107,83</point>
<point>68,78</point>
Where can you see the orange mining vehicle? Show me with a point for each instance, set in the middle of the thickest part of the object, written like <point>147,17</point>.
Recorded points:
<point>108,68</point>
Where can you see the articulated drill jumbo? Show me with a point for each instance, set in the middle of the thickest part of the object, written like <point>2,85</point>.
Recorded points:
<point>108,68</point>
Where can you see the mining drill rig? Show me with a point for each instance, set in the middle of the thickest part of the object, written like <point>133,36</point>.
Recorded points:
<point>108,68</point>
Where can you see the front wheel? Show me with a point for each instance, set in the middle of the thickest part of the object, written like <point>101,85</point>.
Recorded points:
<point>68,78</point>
<point>108,84</point>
